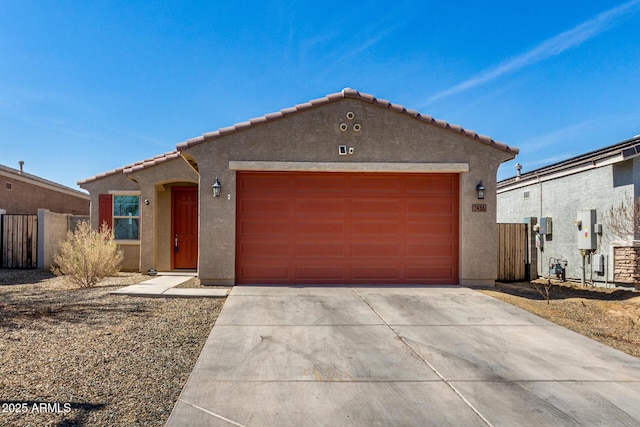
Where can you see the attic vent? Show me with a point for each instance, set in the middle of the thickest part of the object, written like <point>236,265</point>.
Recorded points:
<point>526,194</point>
<point>7,185</point>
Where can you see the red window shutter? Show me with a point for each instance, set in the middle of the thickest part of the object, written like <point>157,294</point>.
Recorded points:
<point>105,210</point>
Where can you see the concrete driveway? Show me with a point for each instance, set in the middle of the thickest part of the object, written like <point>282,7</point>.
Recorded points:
<point>369,356</point>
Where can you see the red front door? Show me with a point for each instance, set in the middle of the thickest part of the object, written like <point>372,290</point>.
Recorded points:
<point>185,227</point>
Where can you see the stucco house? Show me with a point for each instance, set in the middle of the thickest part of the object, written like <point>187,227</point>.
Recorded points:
<point>567,204</point>
<point>35,214</point>
<point>24,193</point>
<point>344,189</point>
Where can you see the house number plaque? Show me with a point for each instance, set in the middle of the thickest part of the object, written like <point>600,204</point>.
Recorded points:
<point>478,208</point>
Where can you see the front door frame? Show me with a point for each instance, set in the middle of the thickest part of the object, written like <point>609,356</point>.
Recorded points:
<point>174,217</point>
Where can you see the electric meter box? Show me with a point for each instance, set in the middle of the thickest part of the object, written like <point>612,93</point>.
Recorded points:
<point>597,262</point>
<point>587,237</point>
<point>545,225</point>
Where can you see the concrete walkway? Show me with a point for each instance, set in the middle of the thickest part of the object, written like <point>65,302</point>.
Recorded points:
<point>340,356</point>
<point>164,285</point>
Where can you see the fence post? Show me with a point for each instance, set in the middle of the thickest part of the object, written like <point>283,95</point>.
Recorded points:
<point>41,228</point>
<point>532,250</point>
<point>3,212</point>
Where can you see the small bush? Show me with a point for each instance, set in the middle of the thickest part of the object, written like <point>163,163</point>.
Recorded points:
<point>87,255</point>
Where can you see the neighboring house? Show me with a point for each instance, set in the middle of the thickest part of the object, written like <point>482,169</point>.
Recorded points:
<point>569,195</point>
<point>23,193</point>
<point>344,189</point>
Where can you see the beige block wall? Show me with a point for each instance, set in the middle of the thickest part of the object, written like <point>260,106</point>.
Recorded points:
<point>52,228</point>
<point>314,136</point>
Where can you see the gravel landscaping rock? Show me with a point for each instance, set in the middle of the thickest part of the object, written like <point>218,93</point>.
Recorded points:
<point>610,316</point>
<point>84,357</point>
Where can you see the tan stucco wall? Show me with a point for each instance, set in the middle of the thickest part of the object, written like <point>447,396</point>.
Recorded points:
<point>154,185</point>
<point>115,182</point>
<point>314,136</point>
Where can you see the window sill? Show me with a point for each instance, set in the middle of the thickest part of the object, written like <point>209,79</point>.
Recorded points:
<point>128,242</point>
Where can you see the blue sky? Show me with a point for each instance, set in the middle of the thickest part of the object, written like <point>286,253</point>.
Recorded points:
<point>88,86</point>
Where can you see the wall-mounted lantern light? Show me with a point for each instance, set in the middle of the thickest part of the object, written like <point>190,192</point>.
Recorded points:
<point>216,188</point>
<point>480,189</point>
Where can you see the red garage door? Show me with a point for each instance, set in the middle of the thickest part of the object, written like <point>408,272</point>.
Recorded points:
<point>346,228</point>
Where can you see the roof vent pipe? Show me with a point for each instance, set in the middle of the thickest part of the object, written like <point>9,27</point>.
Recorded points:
<point>518,169</point>
<point>21,163</point>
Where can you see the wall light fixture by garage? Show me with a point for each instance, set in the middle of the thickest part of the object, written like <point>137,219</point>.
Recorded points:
<point>216,188</point>
<point>480,189</point>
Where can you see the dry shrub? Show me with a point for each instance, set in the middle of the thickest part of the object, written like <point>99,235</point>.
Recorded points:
<point>623,220</point>
<point>86,256</point>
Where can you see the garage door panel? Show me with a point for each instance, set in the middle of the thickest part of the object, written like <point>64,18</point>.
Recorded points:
<point>258,185</point>
<point>429,230</point>
<point>319,250</point>
<point>434,272</point>
<point>261,207</point>
<point>375,228</point>
<point>320,273</point>
<point>309,229</point>
<point>431,207</point>
<point>374,207</point>
<point>265,273</point>
<point>249,227</point>
<point>347,228</point>
<point>264,249</point>
<point>380,184</point>
<point>318,184</point>
<point>326,207</point>
<point>376,249</point>
<point>431,249</point>
<point>376,273</point>
<point>431,185</point>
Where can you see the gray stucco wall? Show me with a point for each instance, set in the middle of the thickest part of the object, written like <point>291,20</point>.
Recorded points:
<point>561,199</point>
<point>313,136</point>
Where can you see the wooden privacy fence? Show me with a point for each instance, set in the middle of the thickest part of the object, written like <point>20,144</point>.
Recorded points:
<point>19,241</point>
<point>512,243</point>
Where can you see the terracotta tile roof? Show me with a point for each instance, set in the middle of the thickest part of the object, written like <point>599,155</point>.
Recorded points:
<point>151,162</point>
<point>345,93</point>
<point>134,167</point>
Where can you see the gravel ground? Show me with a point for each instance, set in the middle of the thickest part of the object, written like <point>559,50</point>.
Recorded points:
<point>610,316</point>
<point>84,357</point>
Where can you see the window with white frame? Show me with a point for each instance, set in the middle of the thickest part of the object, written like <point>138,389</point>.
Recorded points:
<point>126,216</point>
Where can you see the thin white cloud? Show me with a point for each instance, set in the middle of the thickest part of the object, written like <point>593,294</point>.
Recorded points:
<point>550,47</point>
<point>563,135</point>
<point>552,159</point>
